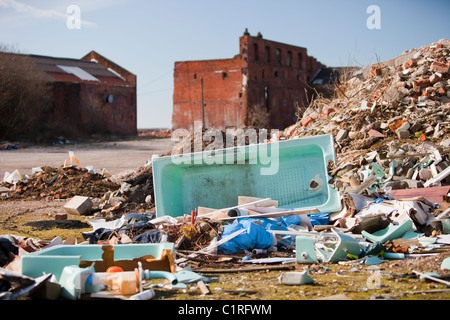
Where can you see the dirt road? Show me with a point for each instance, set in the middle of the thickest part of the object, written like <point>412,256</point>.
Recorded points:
<point>118,158</point>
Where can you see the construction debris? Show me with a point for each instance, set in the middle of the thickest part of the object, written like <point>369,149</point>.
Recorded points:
<point>389,126</point>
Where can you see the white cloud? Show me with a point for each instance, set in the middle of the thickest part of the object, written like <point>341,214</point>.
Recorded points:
<point>20,7</point>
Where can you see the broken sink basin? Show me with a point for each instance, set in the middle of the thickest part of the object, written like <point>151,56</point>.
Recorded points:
<point>391,232</point>
<point>153,256</point>
<point>293,172</point>
<point>309,250</point>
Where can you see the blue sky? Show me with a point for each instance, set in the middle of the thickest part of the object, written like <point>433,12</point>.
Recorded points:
<point>147,37</point>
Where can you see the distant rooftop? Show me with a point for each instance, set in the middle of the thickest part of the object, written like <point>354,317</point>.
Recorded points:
<point>76,70</point>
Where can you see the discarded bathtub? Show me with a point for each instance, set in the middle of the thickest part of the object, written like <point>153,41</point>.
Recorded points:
<point>295,174</point>
<point>153,256</point>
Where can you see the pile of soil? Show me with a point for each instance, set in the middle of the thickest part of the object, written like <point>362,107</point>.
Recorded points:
<point>61,183</point>
<point>61,224</point>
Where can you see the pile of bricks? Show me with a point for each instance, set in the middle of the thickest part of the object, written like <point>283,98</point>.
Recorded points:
<point>395,114</point>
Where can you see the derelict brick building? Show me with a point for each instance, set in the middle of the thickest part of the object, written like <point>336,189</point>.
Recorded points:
<point>267,73</point>
<point>91,95</point>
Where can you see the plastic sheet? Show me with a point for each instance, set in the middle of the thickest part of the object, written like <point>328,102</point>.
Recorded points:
<point>255,236</point>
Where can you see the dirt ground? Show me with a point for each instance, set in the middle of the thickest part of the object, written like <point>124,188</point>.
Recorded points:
<point>116,157</point>
<point>230,278</point>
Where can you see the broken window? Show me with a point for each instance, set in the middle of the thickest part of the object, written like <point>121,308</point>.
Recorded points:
<point>300,60</point>
<point>275,74</point>
<point>195,76</point>
<point>278,56</point>
<point>267,55</point>
<point>255,51</point>
<point>266,97</point>
<point>224,75</point>
<point>289,58</point>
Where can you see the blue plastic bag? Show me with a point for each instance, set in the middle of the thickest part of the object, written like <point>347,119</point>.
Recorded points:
<point>319,218</point>
<point>254,237</point>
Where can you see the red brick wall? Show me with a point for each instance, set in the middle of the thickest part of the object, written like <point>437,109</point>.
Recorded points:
<point>222,94</point>
<point>80,109</point>
<point>249,79</point>
<point>277,76</point>
<point>129,77</point>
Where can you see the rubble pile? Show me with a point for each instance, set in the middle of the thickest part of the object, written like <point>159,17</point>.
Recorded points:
<point>60,183</point>
<point>390,128</point>
<point>394,113</point>
<point>163,133</point>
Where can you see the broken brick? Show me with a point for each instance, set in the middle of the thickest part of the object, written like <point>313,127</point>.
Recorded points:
<point>61,216</point>
<point>439,67</point>
<point>408,64</point>
<point>435,77</point>
<point>397,124</point>
<point>307,121</point>
<point>422,83</point>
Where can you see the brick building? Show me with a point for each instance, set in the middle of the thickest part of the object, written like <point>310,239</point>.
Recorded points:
<point>91,95</point>
<point>270,74</point>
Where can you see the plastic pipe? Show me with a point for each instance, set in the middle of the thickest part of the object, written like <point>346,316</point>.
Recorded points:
<point>125,282</point>
<point>144,295</point>
<point>237,212</point>
<point>147,274</point>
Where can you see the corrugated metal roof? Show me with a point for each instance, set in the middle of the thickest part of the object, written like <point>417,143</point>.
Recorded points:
<point>74,70</point>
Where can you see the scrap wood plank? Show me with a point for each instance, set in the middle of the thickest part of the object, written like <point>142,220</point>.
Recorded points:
<point>441,176</point>
<point>235,207</point>
<point>244,200</point>
<point>212,246</point>
<point>366,184</point>
<point>274,214</point>
<point>247,269</point>
<point>432,278</point>
<point>427,291</point>
<point>434,194</point>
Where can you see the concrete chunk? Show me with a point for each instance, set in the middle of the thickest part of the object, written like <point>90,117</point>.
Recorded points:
<point>79,205</point>
<point>342,134</point>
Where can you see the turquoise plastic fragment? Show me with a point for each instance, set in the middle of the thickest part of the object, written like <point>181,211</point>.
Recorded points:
<point>446,225</point>
<point>394,255</point>
<point>293,172</point>
<point>391,232</point>
<point>445,265</point>
<point>186,276</point>
<point>54,259</point>
<point>305,251</point>
<point>345,246</point>
<point>370,261</point>
<point>379,172</point>
<point>73,282</point>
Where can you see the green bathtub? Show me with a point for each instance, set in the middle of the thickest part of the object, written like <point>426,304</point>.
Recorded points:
<point>294,172</point>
